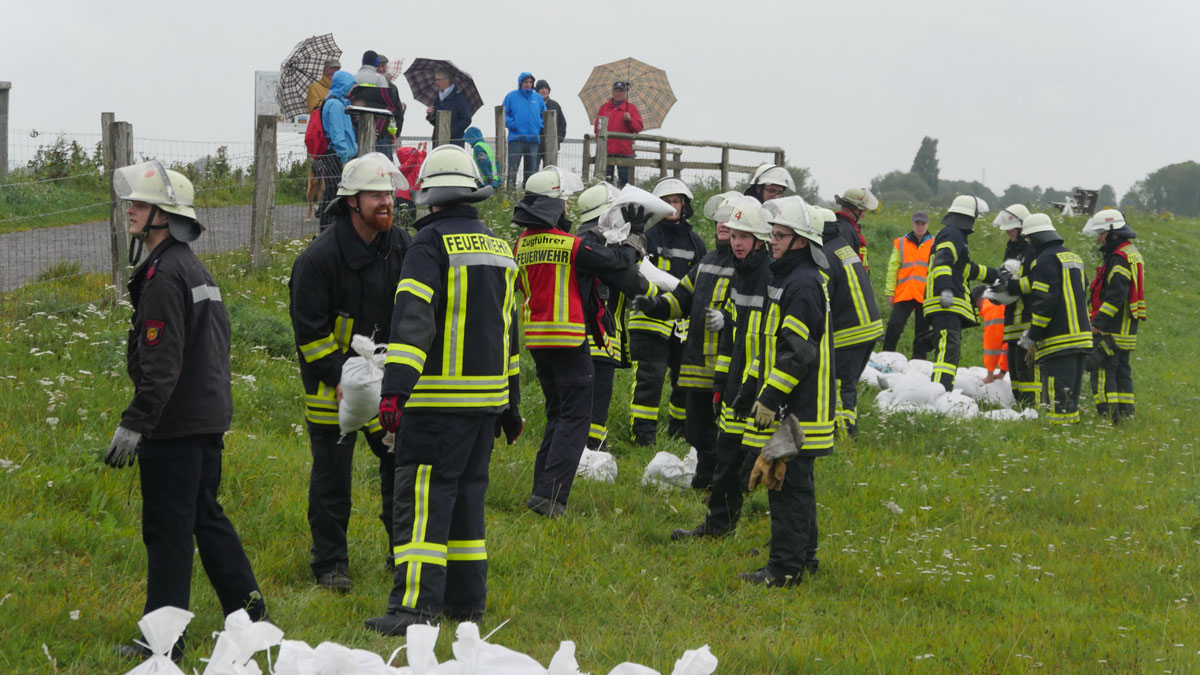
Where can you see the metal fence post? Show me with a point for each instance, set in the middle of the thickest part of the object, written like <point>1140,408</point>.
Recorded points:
<point>118,152</point>
<point>366,133</point>
<point>262,210</point>
<point>4,89</point>
<point>602,147</point>
<point>550,133</point>
<point>441,132</point>
<point>501,148</point>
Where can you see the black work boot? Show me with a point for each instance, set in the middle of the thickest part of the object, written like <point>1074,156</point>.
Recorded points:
<point>772,580</point>
<point>137,652</point>
<point>460,615</point>
<point>336,579</point>
<point>545,507</point>
<point>396,622</point>
<point>701,531</point>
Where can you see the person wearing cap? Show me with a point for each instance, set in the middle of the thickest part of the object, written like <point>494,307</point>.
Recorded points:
<point>950,269</point>
<point>450,387</point>
<point>624,117</point>
<point>1059,336</point>
<point>699,298</point>
<point>1117,306</point>
<point>770,181</point>
<point>1018,258</point>
<point>178,359</point>
<point>792,377</point>
<point>341,286</point>
<point>370,92</point>
<point>369,72</point>
<point>543,88</point>
<point>317,91</point>
<point>854,202</point>
<point>907,271</point>
<point>558,277</point>
<point>523,109</point>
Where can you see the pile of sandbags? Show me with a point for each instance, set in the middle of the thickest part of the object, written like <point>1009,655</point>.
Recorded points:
<point>907,386</point>
<point>667,470</point>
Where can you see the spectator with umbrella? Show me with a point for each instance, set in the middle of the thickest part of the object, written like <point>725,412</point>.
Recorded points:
<point>319,89</point>
<point>442,86</point>
<point>639,98</point>
<point>625,117</point>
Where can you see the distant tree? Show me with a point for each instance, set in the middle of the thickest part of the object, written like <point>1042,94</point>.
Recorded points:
<point>1052,195</point>
<point>1018,194</point>
<point>1107,198</point>
<point>925,164</point>
<point>1174,188</point>
<point>901,187</point>
<point>806,187</point>
<point>949,189</point>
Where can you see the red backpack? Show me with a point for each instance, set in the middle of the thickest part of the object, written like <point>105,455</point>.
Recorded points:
<point>315,139</point>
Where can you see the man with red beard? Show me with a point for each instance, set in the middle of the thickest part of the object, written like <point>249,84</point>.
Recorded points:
<point>343,284</point>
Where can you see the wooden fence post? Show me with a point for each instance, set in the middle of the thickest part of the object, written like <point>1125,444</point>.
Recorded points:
<point>587,157</point>
<point>4,89</point>
<point>602,148</point>
<point>550,127</point>
<point>441,132</point>
<point>501,148</point>
<point>662,159</point>
<point>262,210</point>
<point>779,158</point>
<point>117,140</point>
<point>677,156</point>
<point>366,133</point>
<point>724,168</point>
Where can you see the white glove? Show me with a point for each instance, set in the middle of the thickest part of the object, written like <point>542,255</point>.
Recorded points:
<point>946,299</point>
<point>1025,342</point>
<point>123,448</point>
<point>714,319</point>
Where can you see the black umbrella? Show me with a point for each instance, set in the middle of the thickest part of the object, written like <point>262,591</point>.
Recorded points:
<point>420,81</point>
<point>302,67</point>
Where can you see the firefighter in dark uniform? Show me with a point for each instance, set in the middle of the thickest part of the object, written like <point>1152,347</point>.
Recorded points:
<point>1059,334</point>
<point>1023,377</point>
<point>657,345</point>
<point>740,340</point>
<point>854,203</point>
<point>559,277</point>
<point>1117,303</point>
<point>946,305</point>
<point>449,387</point>
<point>343,285</point>
<point>857,323</point>
<point>178,359</point>
<point>797,383</point>
<point>770,181</point>
<point>699,298</point>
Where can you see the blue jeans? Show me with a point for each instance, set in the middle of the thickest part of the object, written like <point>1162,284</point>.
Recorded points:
<point>518,150</point>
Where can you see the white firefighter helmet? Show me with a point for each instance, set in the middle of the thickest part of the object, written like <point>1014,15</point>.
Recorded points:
<point>554,182</point>
<point>859,198</point>
<point>773,174</point>
<point>1104,221</point>
<point>167,189</point>
<point>1037,222</point>
<point>794,213</point>
<point>449,175</point>
<point>671,186</point>
<point>1011,217</point>
<point>715,202</point>
<point>373,172</point>
<point>595,200</point>
<point>745,214</point>
<point>968,205</point>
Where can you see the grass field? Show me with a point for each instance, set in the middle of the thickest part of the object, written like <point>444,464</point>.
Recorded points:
<point>1019,547</point>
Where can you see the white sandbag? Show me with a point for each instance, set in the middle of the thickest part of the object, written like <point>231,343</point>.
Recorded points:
<point>690,461</point>
<point>563,662</point>
<point>295,658</point>
<point>667,470</point>
<point>362,377</point>
<point>597,465</point>
<point>660,278</point>
<point>331,658</point>
<point>887,403</point>
<point>916,389</point>
<point>421,639</point>
<point>889,362</point>
<point>999,392</point>
<point>969,382</point>
<point>240,640</point>
<point>478,657</point>
<point>613,221</point>
<point>955,404</point>
<point>628,668</point>
<point>696,662</point>
<point>1002,415</point>
<point>920,367</point>
<point>870,376</point>
<point>161,628</point>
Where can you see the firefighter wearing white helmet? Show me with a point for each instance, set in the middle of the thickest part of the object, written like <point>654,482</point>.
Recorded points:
<point>770,181</point>
<point>673,246</point>
<point>1117,306</point>
<point>853,203</point>
<point>792,374</point>
<point>699,300</point>
<point>560,275</point>
<point>1059,334</point>
<point>1018,257</point>
<point>450,387</point>
<point>343,285</point>
<point>946,304</point>
<point>178,359</point>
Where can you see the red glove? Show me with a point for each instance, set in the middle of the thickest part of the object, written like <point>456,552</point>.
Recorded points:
<point>717,404</point>
<point>390,410</point>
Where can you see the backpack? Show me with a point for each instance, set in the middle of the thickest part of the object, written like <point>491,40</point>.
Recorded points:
<point>315,139</point>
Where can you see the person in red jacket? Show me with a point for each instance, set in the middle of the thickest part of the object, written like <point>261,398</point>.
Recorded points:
<point>622,116</point>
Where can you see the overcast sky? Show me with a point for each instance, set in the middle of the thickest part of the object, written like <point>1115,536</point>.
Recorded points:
<point>1027,91</point>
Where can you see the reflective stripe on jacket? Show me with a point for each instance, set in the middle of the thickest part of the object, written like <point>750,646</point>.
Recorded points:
<point>995,352</point>
<point>1058,304</point>
<point>907,280</point>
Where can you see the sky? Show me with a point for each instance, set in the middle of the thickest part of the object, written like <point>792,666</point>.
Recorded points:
<point>1036,92</point>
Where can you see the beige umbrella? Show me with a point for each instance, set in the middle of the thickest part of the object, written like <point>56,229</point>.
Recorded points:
<point>649,89</point>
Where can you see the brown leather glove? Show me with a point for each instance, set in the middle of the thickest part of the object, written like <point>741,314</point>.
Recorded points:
<point>768,472</point>
<point>763,416</point>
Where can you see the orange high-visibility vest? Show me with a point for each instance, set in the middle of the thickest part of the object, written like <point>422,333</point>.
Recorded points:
<point>914,268</point>
<point>553,310</point>
<point>995,349</point>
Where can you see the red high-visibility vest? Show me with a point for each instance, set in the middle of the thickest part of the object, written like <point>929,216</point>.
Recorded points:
<point>914,268</point>
<point>995,349</point>
<point>552,315</point>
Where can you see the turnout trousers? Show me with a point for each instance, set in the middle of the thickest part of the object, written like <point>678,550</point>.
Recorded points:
<point>895,326</point>
<point>700,431</point>
<point>566,376</point>
<point>849,363</point>
<point>441,477</point>
<point>329,487</point>
<point>602,388</point>
<point>947,336</point>
<point>794,522</point>
<point>728,488</point>
<point>1112,385</point>
<point>181,514</point>
<point>1026,388</point>
<point>653,355</point>
<point>1062,378</point>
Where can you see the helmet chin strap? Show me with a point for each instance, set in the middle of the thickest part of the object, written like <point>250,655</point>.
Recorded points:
<point>137,242</point>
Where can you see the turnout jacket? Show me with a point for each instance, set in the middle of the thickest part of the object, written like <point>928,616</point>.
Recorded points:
<point>743,333</point>
<point>340,286</point>
<point>705,286</point>
<point>1057,303</point>
<point>610,342</point>
<point>1117,296</point>
<point>454,345</point>
<point>675,248</point>
<point>1016,315</point>
<point>856,317</point>
<point>177,354</point>
<point>848,227</point>
<point>794,369</point>
<point>951,269</point>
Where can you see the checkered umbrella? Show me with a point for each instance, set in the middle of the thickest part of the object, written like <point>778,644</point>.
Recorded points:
<point>649,89</point>
<point>420,81</point>
<point>302,67</point>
